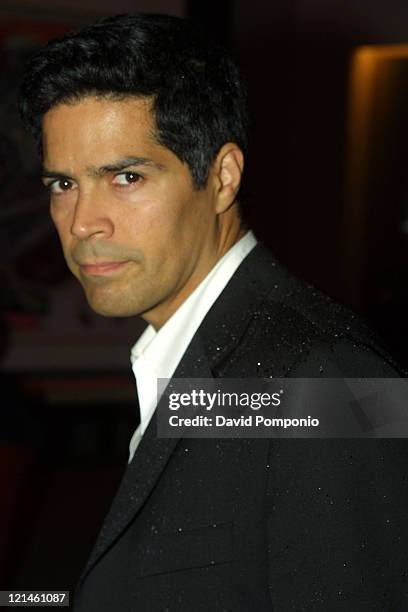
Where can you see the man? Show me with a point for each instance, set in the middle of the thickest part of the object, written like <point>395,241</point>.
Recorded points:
<point>142,124</point>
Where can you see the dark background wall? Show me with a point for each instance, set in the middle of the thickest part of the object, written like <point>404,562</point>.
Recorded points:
<point>297,57</point>
<point>66,428</point>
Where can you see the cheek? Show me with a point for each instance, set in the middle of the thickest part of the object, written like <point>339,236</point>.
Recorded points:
<point>64,234</point>
<point>164,246</point>
<point>152,226</point>
<point>61,218</point>
<point>63,227</point>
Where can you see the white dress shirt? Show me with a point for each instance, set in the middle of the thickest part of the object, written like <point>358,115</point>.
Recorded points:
<point>157,353</point>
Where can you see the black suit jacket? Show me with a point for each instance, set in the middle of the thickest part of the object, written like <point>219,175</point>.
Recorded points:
<point>209,525</point>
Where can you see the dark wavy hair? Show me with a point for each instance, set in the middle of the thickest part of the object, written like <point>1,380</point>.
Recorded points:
<point>199,100</point>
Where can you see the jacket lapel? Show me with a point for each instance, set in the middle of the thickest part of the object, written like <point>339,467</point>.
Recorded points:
<point>150,459</point>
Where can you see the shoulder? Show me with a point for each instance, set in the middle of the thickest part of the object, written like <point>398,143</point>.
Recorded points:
<point>297,330</point>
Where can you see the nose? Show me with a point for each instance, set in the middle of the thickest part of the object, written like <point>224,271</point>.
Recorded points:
<point>91,218</point>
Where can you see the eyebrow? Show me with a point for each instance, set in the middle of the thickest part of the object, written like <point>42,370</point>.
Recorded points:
<point>117,166</point>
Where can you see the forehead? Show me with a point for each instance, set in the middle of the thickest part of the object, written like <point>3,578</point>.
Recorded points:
<point>92,127</point>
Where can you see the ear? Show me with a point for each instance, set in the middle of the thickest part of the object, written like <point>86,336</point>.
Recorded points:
<point>228,168</point>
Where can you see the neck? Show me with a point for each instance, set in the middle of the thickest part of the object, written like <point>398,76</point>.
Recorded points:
<point>158,316</point>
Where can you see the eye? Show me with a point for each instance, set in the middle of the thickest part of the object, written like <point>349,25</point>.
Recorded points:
<point>60,186</point>
<point>126,178</point>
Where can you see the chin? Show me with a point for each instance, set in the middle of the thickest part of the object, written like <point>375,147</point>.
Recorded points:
<point>109,313</point>
<point>111,308</point>
<point>110,303</point>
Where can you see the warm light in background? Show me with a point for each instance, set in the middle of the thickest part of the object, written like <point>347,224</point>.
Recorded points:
<point>377,117</point>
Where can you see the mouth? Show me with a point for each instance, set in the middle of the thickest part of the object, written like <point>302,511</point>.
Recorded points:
<point>103,269</point>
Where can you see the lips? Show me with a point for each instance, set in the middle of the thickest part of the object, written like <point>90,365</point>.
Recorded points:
<point>103,268</point>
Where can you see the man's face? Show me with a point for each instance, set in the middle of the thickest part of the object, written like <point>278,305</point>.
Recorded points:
<point>135,232</point>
